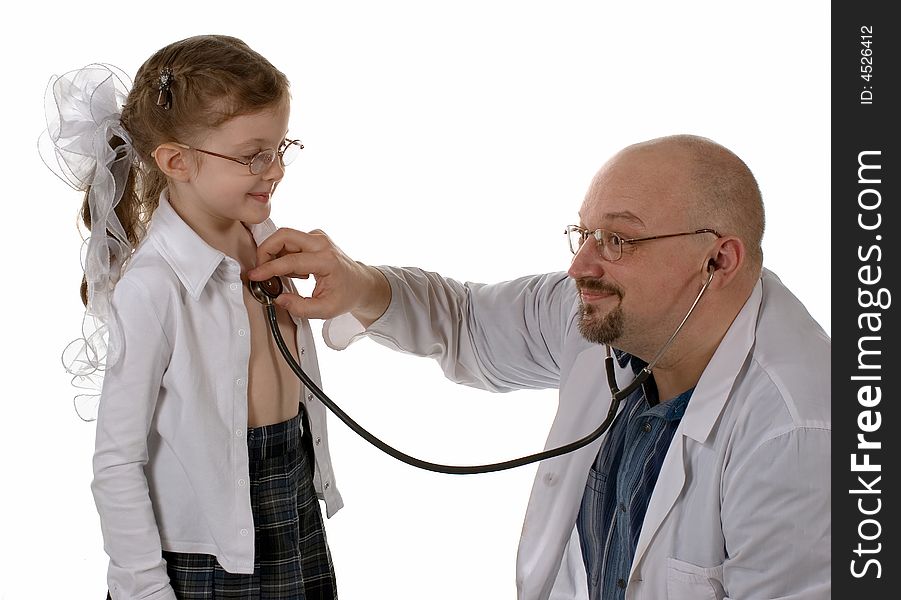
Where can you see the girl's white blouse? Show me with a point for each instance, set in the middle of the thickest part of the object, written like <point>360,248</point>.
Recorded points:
<point>170,465</point>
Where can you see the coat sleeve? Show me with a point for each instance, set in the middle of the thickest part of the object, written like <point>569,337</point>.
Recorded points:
<point>788,557</point>
<point>131,390</point>
<point>498,337</point>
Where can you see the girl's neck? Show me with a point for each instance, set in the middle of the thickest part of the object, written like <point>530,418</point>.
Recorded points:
<point>233,238</point>
<point>240,245</point>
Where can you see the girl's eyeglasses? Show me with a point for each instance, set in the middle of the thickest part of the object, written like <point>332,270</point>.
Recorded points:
<point>262,160</point>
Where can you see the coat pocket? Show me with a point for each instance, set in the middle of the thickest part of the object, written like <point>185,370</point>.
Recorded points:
<point>691,582</point>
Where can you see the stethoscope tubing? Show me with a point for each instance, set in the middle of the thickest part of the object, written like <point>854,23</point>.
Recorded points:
<point>266,295</point>
<point>423,464</point>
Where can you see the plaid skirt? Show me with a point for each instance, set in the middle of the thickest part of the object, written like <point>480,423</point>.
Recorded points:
<point>293,561</point>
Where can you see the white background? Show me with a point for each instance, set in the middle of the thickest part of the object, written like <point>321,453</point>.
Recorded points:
<point>456,136</point>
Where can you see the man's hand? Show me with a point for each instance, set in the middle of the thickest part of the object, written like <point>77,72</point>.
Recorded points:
<point>342,285</point>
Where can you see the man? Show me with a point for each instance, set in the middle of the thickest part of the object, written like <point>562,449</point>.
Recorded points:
<point>714,479</point>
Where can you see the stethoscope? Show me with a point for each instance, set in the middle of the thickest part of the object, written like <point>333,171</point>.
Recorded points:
<point>266,292</point>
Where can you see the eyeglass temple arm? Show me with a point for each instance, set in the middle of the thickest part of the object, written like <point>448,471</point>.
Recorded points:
<point>669,235</point>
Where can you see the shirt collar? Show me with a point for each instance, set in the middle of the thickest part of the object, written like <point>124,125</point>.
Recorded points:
<point>672,409</point>
<point>669,410</point>
<point>624,358</point>
<point>193,260</point>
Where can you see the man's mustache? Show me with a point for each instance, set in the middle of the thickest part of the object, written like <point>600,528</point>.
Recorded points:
<point>591,284</point>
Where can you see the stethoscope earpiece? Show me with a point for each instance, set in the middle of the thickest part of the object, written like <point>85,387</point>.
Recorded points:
<point>266,291</point>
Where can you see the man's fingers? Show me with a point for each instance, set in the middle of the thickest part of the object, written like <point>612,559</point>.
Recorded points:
<point>307,308</point>
<point>288,241</point>
<point>281,242</point>
<point>292,253</point>
<point>300,265</point>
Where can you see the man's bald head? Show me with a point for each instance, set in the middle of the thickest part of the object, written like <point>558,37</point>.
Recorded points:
<point>714,185</point>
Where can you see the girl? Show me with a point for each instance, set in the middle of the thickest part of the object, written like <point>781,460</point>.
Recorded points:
<point>209,455</point>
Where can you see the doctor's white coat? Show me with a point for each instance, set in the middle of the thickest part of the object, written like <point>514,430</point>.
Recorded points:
<point>741,508</point>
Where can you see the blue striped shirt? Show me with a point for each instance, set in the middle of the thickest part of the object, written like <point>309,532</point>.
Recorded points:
<point>620,483</point>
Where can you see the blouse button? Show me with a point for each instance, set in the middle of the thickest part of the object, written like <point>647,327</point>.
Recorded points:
<point>646,427</point>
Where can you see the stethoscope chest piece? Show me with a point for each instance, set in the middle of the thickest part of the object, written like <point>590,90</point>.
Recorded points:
<point>266,291</point>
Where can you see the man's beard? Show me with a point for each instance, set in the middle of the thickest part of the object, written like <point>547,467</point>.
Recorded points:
<point>592,325</point>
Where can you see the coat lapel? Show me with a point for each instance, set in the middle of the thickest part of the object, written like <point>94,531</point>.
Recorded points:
<point>560,482</point>
<point>707,402</point>
<point>666,490</point>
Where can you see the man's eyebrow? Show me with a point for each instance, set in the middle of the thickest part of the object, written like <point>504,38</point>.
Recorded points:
<point>627,216</point>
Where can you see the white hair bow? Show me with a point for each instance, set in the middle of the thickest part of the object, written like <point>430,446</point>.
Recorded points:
<point>83,109</point>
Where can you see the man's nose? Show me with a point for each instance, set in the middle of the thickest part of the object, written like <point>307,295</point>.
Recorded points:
<point>587,262</point>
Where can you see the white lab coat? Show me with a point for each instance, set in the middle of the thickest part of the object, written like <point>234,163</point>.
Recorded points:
<point>741,508</point>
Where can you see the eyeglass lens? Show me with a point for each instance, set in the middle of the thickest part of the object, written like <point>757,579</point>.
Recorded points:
<point>609,245</point>
<point>262,161</point>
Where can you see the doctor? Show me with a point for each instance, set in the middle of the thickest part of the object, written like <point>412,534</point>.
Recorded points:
<point>714,480</point>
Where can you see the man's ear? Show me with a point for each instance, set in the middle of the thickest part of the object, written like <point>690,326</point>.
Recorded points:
<point>173,161</point>
<point>727,259</point>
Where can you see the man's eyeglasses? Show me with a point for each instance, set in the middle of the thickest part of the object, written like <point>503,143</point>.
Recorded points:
<point>262,160</point>
<point>610,244</point>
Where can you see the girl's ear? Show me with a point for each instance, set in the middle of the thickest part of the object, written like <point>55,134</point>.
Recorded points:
<point>173,160</point>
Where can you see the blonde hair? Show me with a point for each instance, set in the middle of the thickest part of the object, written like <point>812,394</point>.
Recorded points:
<point>214,78</point>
